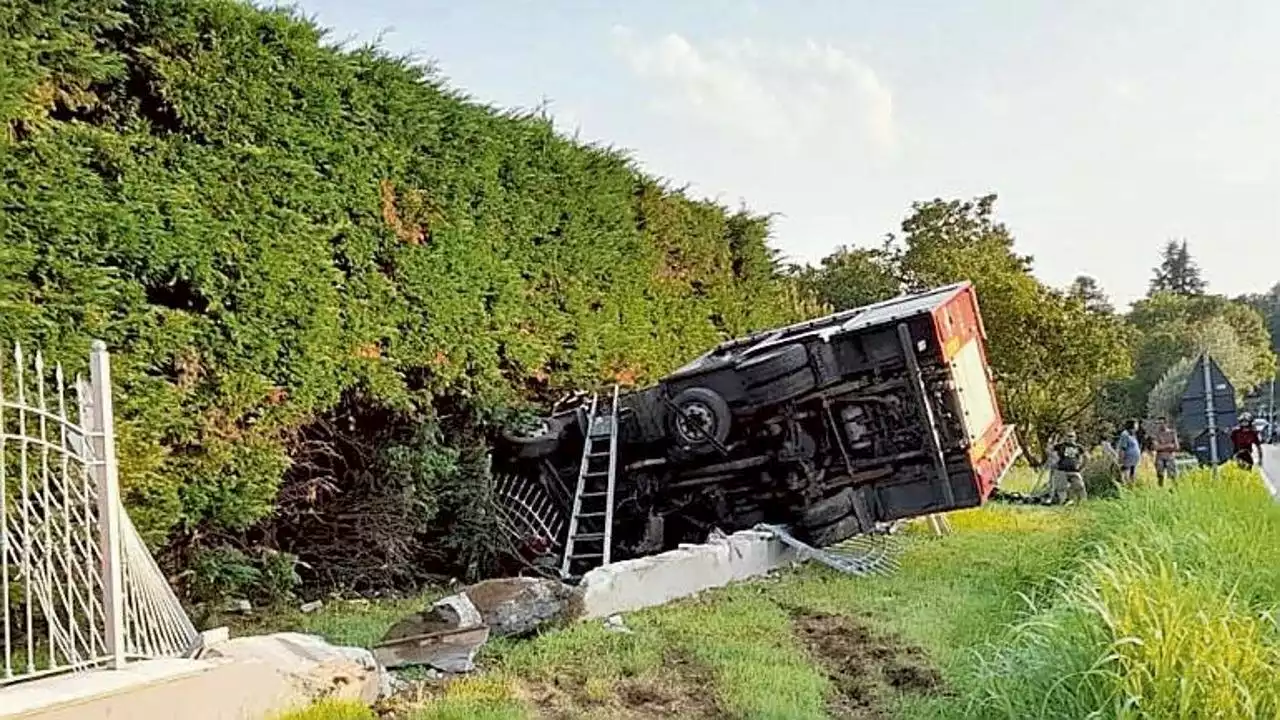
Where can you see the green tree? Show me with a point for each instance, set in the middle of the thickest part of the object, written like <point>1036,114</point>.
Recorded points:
<point>1087,290</point>
<point>851,277</point>
<point>1169,326</point>
<point>1268,305</point>
<point>1051,354</point>
<point>323,273</point>
<point>1177,272</point>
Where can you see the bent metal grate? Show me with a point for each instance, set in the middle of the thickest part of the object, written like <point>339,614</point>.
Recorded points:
<point>81,589</point>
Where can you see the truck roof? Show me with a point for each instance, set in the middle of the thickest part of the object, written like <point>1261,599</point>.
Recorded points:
<point>884,312</point>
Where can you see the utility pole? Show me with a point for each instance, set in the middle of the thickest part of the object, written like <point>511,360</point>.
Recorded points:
<point>1271,411</point>
<point>1210,414</point>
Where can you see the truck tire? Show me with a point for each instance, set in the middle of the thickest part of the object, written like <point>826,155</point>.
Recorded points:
<point>703,405</point>
<point>537,445</point>
<point>780,390</point>
<point>839,531</point>
<point>773,365</point>
<point>828,510</point>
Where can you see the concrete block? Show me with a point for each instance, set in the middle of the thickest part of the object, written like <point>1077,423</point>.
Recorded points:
<point>644,582</point>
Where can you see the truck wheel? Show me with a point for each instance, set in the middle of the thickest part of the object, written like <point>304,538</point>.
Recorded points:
<point>827,511</point>
<point>782,389</point>
<point>773,365</point>
<point>836,532</point>
<point>706,414</point>
<point>539,444</point>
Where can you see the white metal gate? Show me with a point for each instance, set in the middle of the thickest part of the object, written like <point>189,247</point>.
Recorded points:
<point>81,590</point>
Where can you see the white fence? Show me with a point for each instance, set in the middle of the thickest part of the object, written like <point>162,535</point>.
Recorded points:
<point>80,588</point>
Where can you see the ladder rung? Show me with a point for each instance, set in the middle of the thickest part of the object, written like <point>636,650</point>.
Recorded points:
<point>588,536</point>
<point>585,556</point>
<point>594,494</point>
<point>592,515</point>
<point>599,454</point>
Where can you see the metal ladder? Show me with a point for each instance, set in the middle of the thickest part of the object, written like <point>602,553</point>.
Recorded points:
<point>590,538</point>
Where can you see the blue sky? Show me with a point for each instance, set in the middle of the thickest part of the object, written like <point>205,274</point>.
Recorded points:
<point>1106,128</point>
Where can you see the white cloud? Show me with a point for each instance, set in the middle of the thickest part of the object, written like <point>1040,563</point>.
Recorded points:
<point>792,96</point>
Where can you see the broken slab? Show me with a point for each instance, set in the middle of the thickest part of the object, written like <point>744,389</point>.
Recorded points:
<point>520,606</point>
<point>310,668</point>
<point>445,636</point>
<point>644,582</point>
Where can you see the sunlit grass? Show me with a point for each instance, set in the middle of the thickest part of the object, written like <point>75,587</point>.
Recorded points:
<point>1174,615</point>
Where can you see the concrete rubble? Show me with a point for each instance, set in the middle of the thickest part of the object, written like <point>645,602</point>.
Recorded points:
<point>520,606</point>
<point>310,668</point>
<point>447,635</point>
<point>644,582</point>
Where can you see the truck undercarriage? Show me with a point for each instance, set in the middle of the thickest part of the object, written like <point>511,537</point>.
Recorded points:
<point>832,427</point>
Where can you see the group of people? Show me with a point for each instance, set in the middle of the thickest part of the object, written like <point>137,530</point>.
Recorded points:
<point>1068,456</point>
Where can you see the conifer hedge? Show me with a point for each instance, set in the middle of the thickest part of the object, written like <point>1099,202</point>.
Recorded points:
<point>322,272</point>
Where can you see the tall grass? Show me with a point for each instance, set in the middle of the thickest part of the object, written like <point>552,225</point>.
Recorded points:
<point>1173,615</point>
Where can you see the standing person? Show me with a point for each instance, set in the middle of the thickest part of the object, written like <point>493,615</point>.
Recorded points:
<point>1130,451</point>
<point>1243,440</point>
<point>1066,478</point>
<point>1166,446</point>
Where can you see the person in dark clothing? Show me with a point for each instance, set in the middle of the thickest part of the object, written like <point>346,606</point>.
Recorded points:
<point>1243,440</point>
<point>1067,478</point>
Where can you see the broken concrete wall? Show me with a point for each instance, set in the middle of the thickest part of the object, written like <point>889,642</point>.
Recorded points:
<point>658,579</point>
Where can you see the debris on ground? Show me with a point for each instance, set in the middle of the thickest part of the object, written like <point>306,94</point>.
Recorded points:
<point>311,607</point>
<point>445,636</point>
<point>312,668</point>
<point>868,668</point>
<point>679,690</point>
<point>870,554</point>
<point>520,606</point>
<point>238,606</point>
<point>614,623</point>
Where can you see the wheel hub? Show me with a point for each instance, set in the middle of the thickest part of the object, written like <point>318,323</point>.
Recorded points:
<point>696,422</point>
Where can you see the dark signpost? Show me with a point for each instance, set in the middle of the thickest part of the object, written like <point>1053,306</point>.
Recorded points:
<point>1208,412</point>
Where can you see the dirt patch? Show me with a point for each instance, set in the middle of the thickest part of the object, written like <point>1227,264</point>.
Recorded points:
<point>679,690</point>
<point>868,667</point>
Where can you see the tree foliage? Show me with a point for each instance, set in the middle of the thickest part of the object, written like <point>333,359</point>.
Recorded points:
<point>1170,326</point>
<point>1088,292</point>
<point>1177,272</point>
<point>851,277</point>
<point>278,237</point>
<point>1268,306</point>
<point>1051,352</point>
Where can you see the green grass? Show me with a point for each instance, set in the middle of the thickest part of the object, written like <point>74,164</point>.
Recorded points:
<point>1155,604</point>
<point>330,710</point>
<point>1172,615</point>
<point>950,594</point>
<point>342,622</point>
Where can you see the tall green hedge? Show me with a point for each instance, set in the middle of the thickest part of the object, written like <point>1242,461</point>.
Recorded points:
<point>272,232</point>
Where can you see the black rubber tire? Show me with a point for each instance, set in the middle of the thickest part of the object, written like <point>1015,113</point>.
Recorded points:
<point>828,535</point>
<point>827,511</point>
<point>531,448</point>
<point>717,410</point>
<point>772,365</point>
<point>782,389</point>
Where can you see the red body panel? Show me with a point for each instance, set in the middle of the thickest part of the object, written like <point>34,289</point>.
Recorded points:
<point>956,323</point>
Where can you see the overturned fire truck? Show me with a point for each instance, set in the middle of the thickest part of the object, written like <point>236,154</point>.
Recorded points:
<point>833,427</point>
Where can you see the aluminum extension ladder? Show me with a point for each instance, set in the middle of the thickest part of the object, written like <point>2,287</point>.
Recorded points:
<point>590,539</point>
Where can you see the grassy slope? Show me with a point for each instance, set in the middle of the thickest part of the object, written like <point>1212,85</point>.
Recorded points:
<point>1192,575</point>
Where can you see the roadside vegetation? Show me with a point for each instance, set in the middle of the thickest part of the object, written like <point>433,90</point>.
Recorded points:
<point>326,277</point>
<point>1157,603</point>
